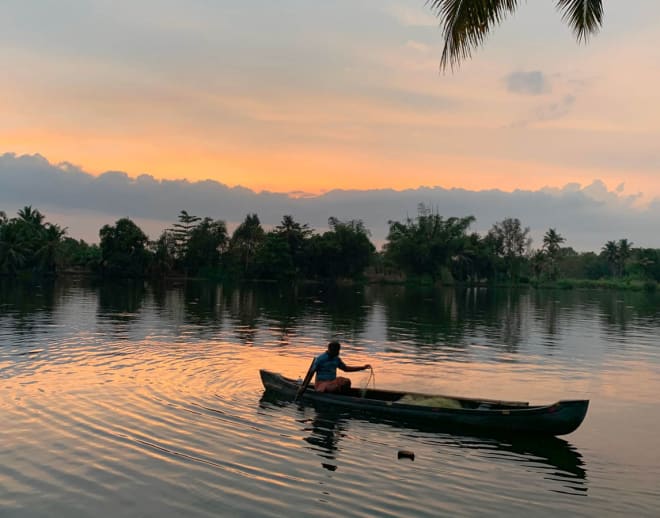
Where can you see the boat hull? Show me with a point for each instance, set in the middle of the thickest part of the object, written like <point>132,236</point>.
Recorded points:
<point>560,418</point>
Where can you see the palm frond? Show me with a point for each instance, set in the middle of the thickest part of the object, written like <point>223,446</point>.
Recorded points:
<point>466,23</point>
<point>583,16</point>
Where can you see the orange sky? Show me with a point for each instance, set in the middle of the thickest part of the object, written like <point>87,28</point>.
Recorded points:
<point>289,170</point>
<point>215,94</point>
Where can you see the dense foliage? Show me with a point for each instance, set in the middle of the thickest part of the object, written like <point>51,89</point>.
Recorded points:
<point>29,245</point>
<point>427,248</point>
<point>123,250</point>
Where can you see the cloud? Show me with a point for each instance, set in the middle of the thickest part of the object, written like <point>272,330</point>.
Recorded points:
<point>547,112</point>
<point>411,17</point>
<point>417,46</point>
<point>587,216</point>
<point>533,82</point>
<point>555,110</point>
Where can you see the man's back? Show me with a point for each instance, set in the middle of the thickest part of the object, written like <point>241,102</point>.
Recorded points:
<point>326,366</point>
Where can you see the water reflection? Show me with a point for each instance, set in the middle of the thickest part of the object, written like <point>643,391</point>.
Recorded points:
<point>117,382</point>
<point>430,316</point>
<point>325,432</point>
<point>553,459</point>
<point>424,323</point>
<point>25,306</point>
<point>120,300</point>
<point>551,302</point>
<point>346,310</point>
<point>26,297</point>
<point>450,315</point>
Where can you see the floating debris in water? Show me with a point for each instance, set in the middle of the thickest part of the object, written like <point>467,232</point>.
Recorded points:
<point>406,454</point>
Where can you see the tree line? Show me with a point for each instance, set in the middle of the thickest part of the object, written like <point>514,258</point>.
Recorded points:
<point>425,248</point>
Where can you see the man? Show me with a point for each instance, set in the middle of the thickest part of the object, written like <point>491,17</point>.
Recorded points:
<point>325,366</point>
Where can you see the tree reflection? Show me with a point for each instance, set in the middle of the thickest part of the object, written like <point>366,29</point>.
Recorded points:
<point>548,304</point>
<point>429,316</point>
<point>243,307</point>
<point>510,321</point>
<point>284,311</point>
<point>204,304</point>
<point>24,305</point>
<point>345,310</point>
<point>120,300</point>
<point>617,311</point>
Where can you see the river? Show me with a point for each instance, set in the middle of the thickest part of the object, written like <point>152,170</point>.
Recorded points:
<point>132,399</point>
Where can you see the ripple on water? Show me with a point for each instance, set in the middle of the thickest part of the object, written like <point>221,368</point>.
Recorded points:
<point>159,410</point>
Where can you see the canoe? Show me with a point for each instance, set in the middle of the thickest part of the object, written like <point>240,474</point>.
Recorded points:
<point>446,412</point>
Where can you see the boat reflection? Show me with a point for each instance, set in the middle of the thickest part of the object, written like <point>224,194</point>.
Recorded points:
<point>325,433</point>
<point>555,459</point>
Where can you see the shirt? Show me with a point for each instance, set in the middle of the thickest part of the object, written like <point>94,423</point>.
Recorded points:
<point>326,367</point>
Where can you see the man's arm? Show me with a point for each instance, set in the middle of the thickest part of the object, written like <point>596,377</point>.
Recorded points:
<point>308,378</point>
<point>347,368</point>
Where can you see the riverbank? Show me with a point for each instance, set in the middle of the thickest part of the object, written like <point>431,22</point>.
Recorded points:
<point>394,280</point>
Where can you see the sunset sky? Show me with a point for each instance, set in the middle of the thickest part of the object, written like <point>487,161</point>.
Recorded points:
<point>300,96</point>
<point>296,95</point>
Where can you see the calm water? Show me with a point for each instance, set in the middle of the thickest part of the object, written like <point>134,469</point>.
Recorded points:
<point>137,400</point>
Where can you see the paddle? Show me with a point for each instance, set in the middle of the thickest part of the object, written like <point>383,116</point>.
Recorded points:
<point>305,383</point>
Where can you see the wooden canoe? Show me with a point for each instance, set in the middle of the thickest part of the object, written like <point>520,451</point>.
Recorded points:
<point>447,412</point>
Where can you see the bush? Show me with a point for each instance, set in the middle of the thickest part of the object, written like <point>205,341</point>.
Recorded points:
<point>651,286</point>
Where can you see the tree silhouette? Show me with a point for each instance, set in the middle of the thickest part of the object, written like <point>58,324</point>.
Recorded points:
<point>181,232</point>
<point>429,243</point>
<point>245,240</point>
<point>512,242</point>
<point>47,248</point>
<point>616,254</point>
<point>552,241</point>
<point>295,236</point>
<point>31,216</point>
<point>123,249</point>
<point>625,251</point>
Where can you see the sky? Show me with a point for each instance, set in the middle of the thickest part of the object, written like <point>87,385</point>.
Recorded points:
<point>338,106</point>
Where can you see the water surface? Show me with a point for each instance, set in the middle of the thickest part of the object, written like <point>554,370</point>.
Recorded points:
<point>137,400</point>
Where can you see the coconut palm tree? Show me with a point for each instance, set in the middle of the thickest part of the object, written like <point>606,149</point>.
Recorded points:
<point>13,249</point>
<point>610,251</point>
<point>466,23</point>
<point>552,241</point>
<point>537,262</point>
<point>296,235</point>
<point>31,216</point>
<point>46,248</point>
<point>625,251</point>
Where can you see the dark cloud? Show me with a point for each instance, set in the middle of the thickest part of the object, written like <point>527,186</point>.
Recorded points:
<point>533,82</point>
<point>555,110</point>
<point>587,216</point>
<point>549,111</point>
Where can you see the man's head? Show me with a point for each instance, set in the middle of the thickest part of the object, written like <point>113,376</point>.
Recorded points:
<point>333,348</point>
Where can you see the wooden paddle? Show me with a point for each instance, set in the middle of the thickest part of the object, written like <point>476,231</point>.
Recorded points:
<point>305,383</point>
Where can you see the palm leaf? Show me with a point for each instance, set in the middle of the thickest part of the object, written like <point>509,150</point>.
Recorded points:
<point>583,16</point>
<point>466,23</point>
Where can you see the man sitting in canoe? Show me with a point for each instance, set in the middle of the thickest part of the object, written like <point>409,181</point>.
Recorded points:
<point>325,366</point>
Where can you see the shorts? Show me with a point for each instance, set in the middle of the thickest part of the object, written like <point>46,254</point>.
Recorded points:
<point>336,385</point>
